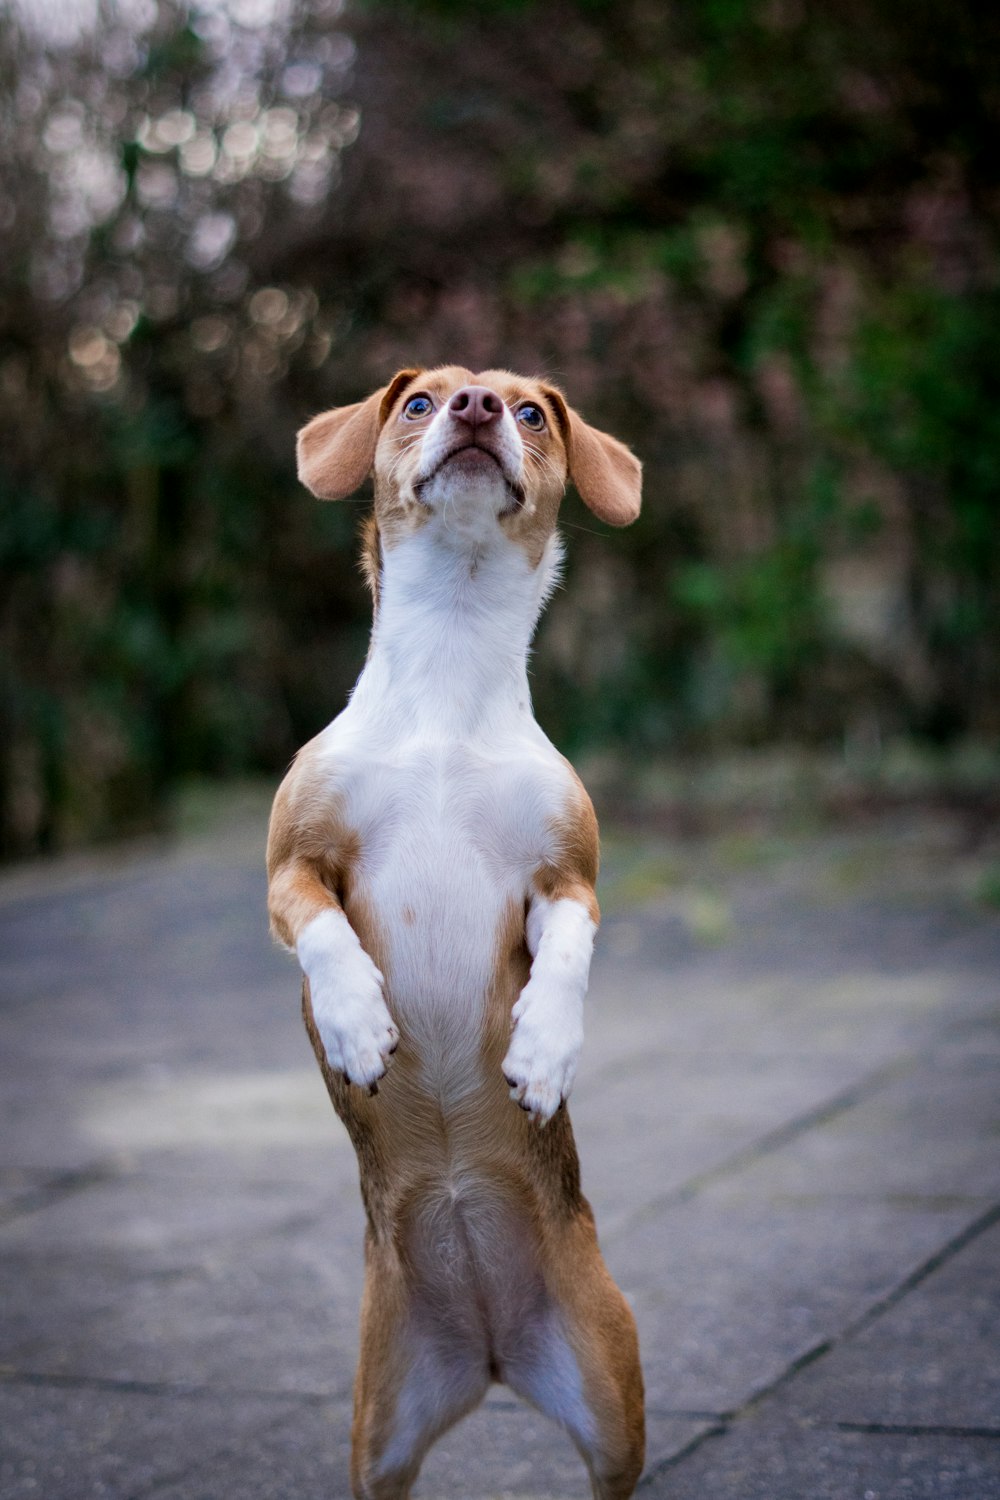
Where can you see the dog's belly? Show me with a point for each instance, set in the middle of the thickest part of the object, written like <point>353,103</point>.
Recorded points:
<point>446,935</point>
<point>437,917</point>
<point>471,1246</point>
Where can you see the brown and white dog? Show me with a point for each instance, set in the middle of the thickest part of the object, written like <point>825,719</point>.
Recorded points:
<point>432,861</point>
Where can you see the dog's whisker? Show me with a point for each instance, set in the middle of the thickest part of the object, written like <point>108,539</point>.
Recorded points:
<point>393,468</point>
<point>397,460</point>
<point>544,462</point>
<point>542,459</point>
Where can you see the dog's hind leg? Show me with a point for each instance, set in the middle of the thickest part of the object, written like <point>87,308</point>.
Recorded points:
<point>579,1363</point>
<point>416,1378</point>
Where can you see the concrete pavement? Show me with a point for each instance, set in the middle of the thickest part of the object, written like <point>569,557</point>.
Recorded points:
<point>789,1122</point>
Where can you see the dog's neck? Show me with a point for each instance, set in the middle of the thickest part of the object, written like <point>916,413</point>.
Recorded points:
<point>452,631</point>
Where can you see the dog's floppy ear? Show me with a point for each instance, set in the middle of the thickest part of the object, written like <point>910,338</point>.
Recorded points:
<point>336,450</point>
<point>607,475</point>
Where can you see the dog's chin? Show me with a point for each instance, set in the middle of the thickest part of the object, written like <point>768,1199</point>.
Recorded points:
<point>471,479</point>
<point>473,460</point>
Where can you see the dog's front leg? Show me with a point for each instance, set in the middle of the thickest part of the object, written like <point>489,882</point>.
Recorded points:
<point>345,987</point>
<point>348,1005</point>
<point>547,1017</point>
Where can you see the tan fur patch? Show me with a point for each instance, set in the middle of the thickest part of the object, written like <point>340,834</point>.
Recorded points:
<point>336,450</point>
<point>602,1333</point>
<point>370,561</point>
<point>310,850</point>
<point>573,873</point>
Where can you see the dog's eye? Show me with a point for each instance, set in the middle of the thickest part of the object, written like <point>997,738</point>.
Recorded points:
<point>531,417</point>
<point>417,407</point>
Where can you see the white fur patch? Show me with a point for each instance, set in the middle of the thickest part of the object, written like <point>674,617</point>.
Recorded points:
<point>475,487</point>
<point>345,990</point>
<point>548,1016</point>
<point>440,1386</point>
<point>547,1375</point>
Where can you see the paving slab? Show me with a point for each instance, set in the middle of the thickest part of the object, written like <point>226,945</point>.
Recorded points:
<point>937,1123</point>
<point>852,1008</point>
<point>302,1456</point>
<point>786,1461</point>
<point>62,1443</point>
<point>729,1296</point>
<point>711,1107</point>
<point>275,1314</point>
<point>931,1359</point>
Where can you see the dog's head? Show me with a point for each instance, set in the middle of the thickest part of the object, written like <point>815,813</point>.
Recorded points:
<point>477,454</point>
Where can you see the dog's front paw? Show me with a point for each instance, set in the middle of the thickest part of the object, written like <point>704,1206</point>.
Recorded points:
<point>544,1050</point>
<point>346,999</point>
<point>355,1027</point>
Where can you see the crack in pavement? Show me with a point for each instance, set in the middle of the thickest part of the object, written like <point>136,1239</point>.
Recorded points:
<point>750,1406</point>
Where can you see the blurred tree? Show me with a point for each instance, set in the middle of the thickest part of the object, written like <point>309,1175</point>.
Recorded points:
<point>756,238</point>
<point>150,515</point>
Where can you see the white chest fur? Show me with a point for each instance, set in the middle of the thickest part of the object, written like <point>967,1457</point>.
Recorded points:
<point>449,835</point>
<point>442,776</point>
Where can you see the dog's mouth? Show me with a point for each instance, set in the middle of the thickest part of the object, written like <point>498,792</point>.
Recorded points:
<point>477,457</point>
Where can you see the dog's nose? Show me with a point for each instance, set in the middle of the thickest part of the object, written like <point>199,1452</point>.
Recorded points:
<point>476,404</point>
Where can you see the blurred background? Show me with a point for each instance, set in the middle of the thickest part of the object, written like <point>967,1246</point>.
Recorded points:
<point>757,239</point>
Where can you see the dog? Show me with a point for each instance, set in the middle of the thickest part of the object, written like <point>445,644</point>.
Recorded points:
<point>432,861</point>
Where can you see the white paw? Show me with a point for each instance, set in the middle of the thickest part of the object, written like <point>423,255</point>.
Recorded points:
<point>355,1026</point>
<point>348,1007</point>
<point>544,1050</point>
